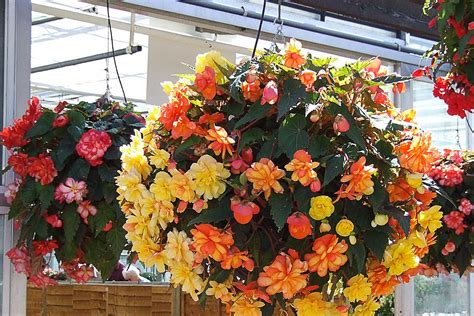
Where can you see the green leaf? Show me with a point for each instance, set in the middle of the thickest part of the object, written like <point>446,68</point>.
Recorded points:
<point>65,148</point>
<point>76,118</point>
<point>280,208</point>
<point>376,241</point>
<point>110,192</point>
<point>116,239</point>
<point>268,148</point>
<point>107,173</point>
<point>256,112</point>
<point>42,126</point>
<point>235,87</point>
<point>357,256</point>
<point>379,197</point>
<point>46,195</point>
<point>302,196</point>
<point>234,109</point>
<point>253,135</point>
<point>212,215</point>
<point>28,191</point>
<point>354,131</point>
<point>402,218</point>
<point>293,92</point>
<point>319,146</point>
<point>334,168</point>
<point>292,135</point>
<point>71,221</point>
<point>100,255</point>
<point>393,78</point>
<point>191,141</point>
<point>105,213</point>
<point>75,132</point>
<point>79,170</point>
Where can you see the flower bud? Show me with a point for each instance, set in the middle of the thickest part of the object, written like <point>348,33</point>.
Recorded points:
<point>299,225</point>
<point>324,227</point>
<point>450,246</point>
<point>352,239</point>
<point>381,219</point>
<point>314,117</point>
<point>415,180</point>
<point>270,93</point>
<point>341,124</point>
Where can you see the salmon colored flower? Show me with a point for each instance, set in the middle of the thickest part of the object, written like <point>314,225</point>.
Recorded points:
<point>299,225</point>
<point>71,191</point>
<point>302,167</point>
<point>293,56</point>
<point>416,154</point>
<point>183,127</point>
<point>270,93</point>
<point>170,112</point>
<point>210,119</point>
<point>375,69</point>
<point>400,191</point>
<point>328,255</point>
<point>53,220</point>
<point>314,304</point>
<point>41,280</point>
<point>431,218</point>
<point>251,90</point>
<point>243,210</point>
<point>358,288</point>
<point>264,176</point>
<point>307,77</point>
<point>206,83</point>
<point>42,169</point>
<point>359,180</point>
<point>20,259</point>
<point>210,241</point>
<point>236,259</point>
<point>285,275</point>
<point>221,142</point>
<point>321,207</point>
<point>85,209</point>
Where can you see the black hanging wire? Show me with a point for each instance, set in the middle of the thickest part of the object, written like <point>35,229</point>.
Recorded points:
<point>113,51</point>
<point>259,27</point>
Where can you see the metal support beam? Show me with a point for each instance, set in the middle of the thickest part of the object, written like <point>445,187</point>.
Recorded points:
<point>82,60</point>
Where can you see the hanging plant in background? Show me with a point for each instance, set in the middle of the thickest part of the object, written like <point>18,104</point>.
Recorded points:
<point>454,250</point>
<point>64,200</point>
<point>281,181</point>
<point>455,22</point>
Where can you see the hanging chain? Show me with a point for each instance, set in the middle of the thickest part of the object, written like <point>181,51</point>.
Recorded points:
<point>107,73</point>
<point>458,138</point>
<point>278,36</point>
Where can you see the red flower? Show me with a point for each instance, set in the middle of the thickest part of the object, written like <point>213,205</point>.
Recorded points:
<point>41,280</point>
<point>454,220</point>
<point>20,259</point>
<point>93,145</point>
<point>53,220</point>
<point>458,27</point>
<point>299,225</point>
<point>42,169</point>
<point>433,22</point>
<point>60,107</point>
<point>43,247</point>
<point>243,211</point>
<point>19,163</point>
<point>60,121</point>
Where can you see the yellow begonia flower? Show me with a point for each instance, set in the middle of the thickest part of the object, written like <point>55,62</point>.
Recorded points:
<point>415,180</point>
<point>167,86</point>
<point>431,218</point>
<point>160,158</point>
<point>148,252</point>
<point>367,309</point>
<point>314,304</point>
<point>153,115</point>
<point>208,175</point>
<point>344,228</point>
<point>182,186</point>
<point>216,61</point>
<point>133,156</point>
<point>129,185</point>
<point>246,306</point>
<point>184,275</point>
<point>400,257</point>
<point>359,288</point>
<point>162,212</point>
<point>321,207</point>
<point>418,239</point>
<point>177,248</point>
<point>218,290</point>
<point>161,187</point>
<point>144,222</point>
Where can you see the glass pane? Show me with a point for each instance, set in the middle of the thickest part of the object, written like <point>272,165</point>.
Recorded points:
<point>431,115</point>
<point>441,296</point>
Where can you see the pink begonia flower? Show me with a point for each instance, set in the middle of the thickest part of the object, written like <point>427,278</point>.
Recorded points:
<point>85,209</point>
<point>11,191</point>
<point>341,124</point>
<point>41,280</point>
<point>107,226</point>
<point>53,220</point>
<point>466,206</point>
<point>454,220</point>
<point>20,259</point>
<point>93,145</point>
<point>82,273</point>
<point>71,191</point>
<point>270,93</point>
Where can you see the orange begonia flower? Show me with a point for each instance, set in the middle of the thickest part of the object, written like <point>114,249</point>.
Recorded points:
<point>382,283</point>
<point>251,90</point>
<point>236,259</point>
<point>328,255</point>
<point>221,142</point>
<point>400,191</point>
<point>359,180</point>
<point>183,127</point>
<point>251,291</point>
<point>175,109</point>
<point>307,77</point>
<point>416,153</point>
<point>293,56</point>
<point>206,83</point>
<point>209,241</point>
<point>302,167</point>
<point>211,118</point>
<point>264,176</point>
<point>285,275</point>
